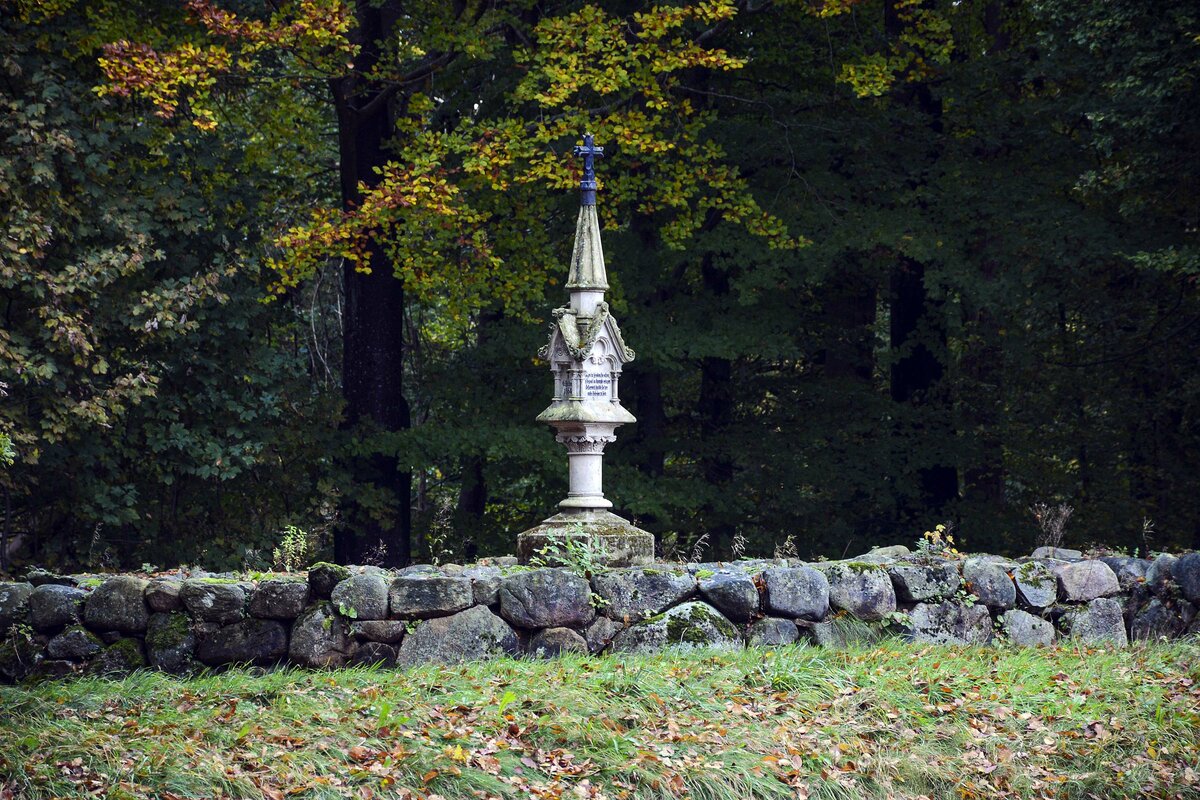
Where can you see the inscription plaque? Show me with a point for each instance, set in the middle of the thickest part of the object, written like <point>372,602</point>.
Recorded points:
<point>596,384</point>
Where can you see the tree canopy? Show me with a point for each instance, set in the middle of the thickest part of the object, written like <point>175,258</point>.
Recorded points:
<point>886,264</point>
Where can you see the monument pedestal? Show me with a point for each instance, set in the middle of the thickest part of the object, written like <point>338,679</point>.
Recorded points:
<point>614,541</point>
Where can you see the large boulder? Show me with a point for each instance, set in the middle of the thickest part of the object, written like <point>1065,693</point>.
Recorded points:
<point>75,643</point>
<point>53,606</point>
<point>1186,573</point>
<point>472,634</point>
<point>1026,630</point>
<point>170,643</point>
<point>321,638</point>
<point>691,625</point>
<point>1083,581</point>
<point>989,581</point>
<point>859,588</point>
<point>1158,574</point>
<point>212,600</point>
<point>633,593</point>
<point>799,592</point>
<point>14,605</point>
<point>553,641</point>
<point>251,641</point>
<point>279,599</point>
<point>118,604</point>
<point>950,623</point>
<point>162,595</point>
<point>1037,588</point>
<point>422,596</point>
<point>546,598</point>
<point>363,596</point>
<point>1156,621</point>
<point>772,632</point>
<point>920,583</point>
<point>1130,572</point>
<point>1100,622</point>
<point>732,593</point>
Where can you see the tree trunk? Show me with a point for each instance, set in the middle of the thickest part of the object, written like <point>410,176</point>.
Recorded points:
<point>373,338</point>
<point>715,406</point>
<point>915,321</point>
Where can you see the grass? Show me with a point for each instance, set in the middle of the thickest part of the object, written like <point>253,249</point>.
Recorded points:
<point>890,722</point>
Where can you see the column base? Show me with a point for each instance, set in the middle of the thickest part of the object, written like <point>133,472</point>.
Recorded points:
<point>614,541</point>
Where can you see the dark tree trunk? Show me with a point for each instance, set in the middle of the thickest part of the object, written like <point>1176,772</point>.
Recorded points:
<point>848,311</point>
<point>915,377</point>
<point>651,435</point>
<point>916,322</point>
<point>373,339</point>
<point>715,406</point>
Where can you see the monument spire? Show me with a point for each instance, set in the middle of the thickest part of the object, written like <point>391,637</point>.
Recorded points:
<point>586,353</point>
<point>587,259</point>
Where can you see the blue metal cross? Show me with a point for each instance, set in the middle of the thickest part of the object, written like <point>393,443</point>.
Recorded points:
<point>587,186</point>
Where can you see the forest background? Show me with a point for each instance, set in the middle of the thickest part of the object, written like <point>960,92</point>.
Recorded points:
<point>885,265</point>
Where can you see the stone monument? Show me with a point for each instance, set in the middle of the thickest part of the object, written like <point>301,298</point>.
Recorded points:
<point>586,353</point>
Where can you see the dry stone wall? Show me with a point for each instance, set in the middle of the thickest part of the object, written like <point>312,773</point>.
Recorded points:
<point>57,626</point>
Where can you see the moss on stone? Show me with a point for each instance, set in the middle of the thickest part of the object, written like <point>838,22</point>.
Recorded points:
<point>171,635</point>
<point>336,569</point>
<point>689,629</point>
<point>860,567</point>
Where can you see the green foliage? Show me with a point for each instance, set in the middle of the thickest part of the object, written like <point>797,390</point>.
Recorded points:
<point>292,552</point>
<point>1033,162</point>
<point>574,551</point>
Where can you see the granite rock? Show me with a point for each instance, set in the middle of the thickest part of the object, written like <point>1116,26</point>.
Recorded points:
<point>279,599</point>
<point>118,604</point>
<point>920,583</point>
<point>798,592</point>
<point>1083,581</point>
<point>989,581</point>
<point>546,598</point>
<point>471,634</point>
<point>1026,630</point>
<point>553,641</point>
<point>251,641</point>
<point>364,596</point>
<point>691,625</point>
<point>732,593</point>
<point>417,596</point>
<point>53,606</point>
<point>632,593</point>
<point>950,623</point>
<point>214,601</point>
<point>321,638</point>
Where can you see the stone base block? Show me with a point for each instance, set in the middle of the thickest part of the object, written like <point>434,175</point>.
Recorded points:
<point>614,541</point>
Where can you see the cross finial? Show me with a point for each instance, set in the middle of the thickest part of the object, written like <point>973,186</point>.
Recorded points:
<point>587,186</point>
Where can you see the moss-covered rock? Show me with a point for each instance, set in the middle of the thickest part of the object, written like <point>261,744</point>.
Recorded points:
<point>119,658</point>
<point>76,643</point>
<point>321,638</point>
<point>323,577</point>
<point>119,604</point>
<point>171,643</point>
<point>691,625</point>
